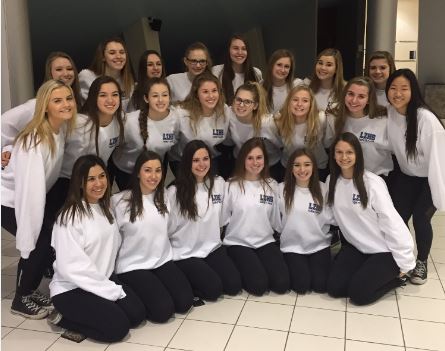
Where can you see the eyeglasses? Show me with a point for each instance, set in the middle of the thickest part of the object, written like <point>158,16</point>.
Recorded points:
<point>245,102</point>
<point>197,62</point>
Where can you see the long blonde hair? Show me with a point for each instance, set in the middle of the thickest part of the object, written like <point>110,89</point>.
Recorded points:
<point>286,123</point>
<point>38,130</point>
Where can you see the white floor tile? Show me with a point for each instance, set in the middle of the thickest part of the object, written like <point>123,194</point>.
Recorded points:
<point>40,325</point>
<point>201,336</point>
<point>222,311</point>
<point>133,347</point>
<point>26,340</point>
<point>6,331</point>
<point>386,306</point>
<point>154,334</point>
<point>7,236</point>
<point>8,285</point>
<point>366,346</point>
<point>7,261</point>
<point>266,315</point>
<point>378,329</point>
<point>440,267</point>
<point>313,342</point>
<point>438,221</point>
<point>318,322</point>
<point>438,242</point>
<point>432,288</point>
<point>243,295</point>
<point>422,309</point>
<point>424,335</point>
<point>246,338</point>
<point>323,301</point>
<point>438,255</point>
<point>10,250</point>
<point>9,319</point>
<point>66,345</point>
<point>271,297</point>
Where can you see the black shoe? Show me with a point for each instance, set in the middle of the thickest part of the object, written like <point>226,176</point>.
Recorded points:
<point>419,273</point>
<point>73,336</point>
<point>42,300</point>
<point>26,307</point>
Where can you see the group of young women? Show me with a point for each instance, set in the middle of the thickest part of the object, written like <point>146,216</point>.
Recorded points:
<point>294,157</point>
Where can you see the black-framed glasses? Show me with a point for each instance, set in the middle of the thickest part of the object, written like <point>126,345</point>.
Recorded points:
<point>196,62</point>
<point>245,102</point>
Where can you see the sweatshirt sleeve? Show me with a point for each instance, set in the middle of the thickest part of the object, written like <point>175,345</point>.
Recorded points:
<point>227,205</point>
<point>396,233</point>
<point>86,78</point>
<point>275,219</point>
<point>329,133</point>
<point>14,121</point>
<point>74,265</point>
<point>172,224</point>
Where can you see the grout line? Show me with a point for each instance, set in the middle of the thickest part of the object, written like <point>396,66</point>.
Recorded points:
<point>291,319</point>
<point>346,320</point>
<point>236,322</point>
<point>400,320</point>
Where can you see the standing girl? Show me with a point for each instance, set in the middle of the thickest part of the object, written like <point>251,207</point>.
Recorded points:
<point>88,299</point>
<point>359,113</point>
<point>35,165</point>
<point>144,261</point>
<point>379,67</point>
<point>305,239</point>
<point>279,79</point>
<point>153,127</point>
<point>378,248</point>
<point>111,59</point>
<point>302,125</point>
<point>194,226</point>
<point>417,139</point>
<point>327,79</point>
<point>237,68</point>
<point>196,60</point>
<point>251,213</point>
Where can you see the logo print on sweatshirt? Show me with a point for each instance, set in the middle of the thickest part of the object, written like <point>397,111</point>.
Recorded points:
<point>217,199</point>
<point>266,199</point>
<point>314,208</point>
<point>356,199</point>
<point>113,142</point>
<point>218,133</point>
<point>365,136</point>
<point>168,137</point>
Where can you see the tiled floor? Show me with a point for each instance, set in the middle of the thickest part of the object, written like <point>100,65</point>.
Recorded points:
<point>412,318</point>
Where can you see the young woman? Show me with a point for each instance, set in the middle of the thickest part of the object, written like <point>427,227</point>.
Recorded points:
<point>237,68</point>
<point>327,79</point>
<point>110,59</point>
<point>279,79</point>
<point>58,66</point>
<point>301,125</point>
<point>378,249</point>
<point>379,67</point>
<point>154,127</point>
<point>34,167</point>
<point>144,261</point>
<point>150,66</point>
<point>88,299</point>
<point>196,60</point>
<point>251,213</point>
<point>305,239</point>
<point>417,139</point>
<point>201,116</point>
<point>249,118</point>
<point>358,113</point>
<point>194,226</point>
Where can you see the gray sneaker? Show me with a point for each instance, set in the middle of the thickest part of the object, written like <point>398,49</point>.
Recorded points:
<point>42,300</point>
<point>54,317</point>
<point>26,307</point>
<point>419,273</point>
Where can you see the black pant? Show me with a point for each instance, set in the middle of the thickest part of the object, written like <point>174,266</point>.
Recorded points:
<point>122,178</point>
<point>309,272</point>
<point>364,278</point>
<point>277,172</point>
<point>98,318</point>
<point>163,290</point>
<point>261,269</point>
<point>412,197</point>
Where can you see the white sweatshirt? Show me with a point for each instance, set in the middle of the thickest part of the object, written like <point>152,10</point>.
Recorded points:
<point>145,243</point>
<point>323,98</point>
<point>298,141</point>
<point>305,228</point>
<point>379,227</point>
<point>162,135</point>
<point>180,86</point>
<point>201,237</point>
<point>430,145</point>
<point>279,94</point>
<point>251,215</point>
<point>29,175</point>
<point>211,130</point>
<point>238,80</point>
<point>82,142</point>
<point>86,251</point>
<point>14,121</point>
<point>381,97</point>
<point>241,132</point>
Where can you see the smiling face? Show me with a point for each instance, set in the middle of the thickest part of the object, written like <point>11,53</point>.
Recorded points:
<point>325,68</point>
<point>115,56</point>
<point>399,94</point>
<point>345,158</point>
<point>200,164</point>
<point>356,99</point>
<point>302,170</point>
<point>61,106</point>
<point>238,51</point>
<point>196,61</point>
<point>300,104</point>
<point>96,184</point>
<point>150,176</point>
<point>254,164</point>
<point>108,99</point>
<point>154,66</point>
<point>244,104</point>
<point>158,99</point>
<point>281,69</point>
<point>208,96</point>
<point>62,69</point>
<point>379,71</point>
